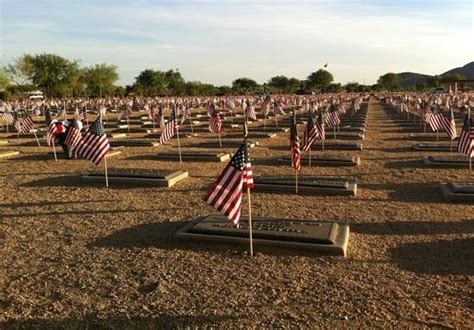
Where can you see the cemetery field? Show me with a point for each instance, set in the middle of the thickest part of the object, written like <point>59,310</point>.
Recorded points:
<point>77,254</point>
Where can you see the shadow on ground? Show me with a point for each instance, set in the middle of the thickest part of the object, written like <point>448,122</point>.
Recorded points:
<point>414,227</point>
<point>416,192</point>
<point>441,257</point>
<point>161,235</point>
<point>90,321</point>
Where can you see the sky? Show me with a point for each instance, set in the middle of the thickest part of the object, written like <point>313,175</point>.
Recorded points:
<point>219,41</point>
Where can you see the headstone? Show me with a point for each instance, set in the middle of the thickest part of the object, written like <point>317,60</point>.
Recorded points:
<point>225,144</point>
<point>324,161</point>
<point>8,153</point>
<point>434,147</point>
<point>458,191</point>
<point>138,177</point>
<point>445,161</point>
<point>316,236</point>
<point>195,156</point>
<point>135,143</point>
<point>307,185</point>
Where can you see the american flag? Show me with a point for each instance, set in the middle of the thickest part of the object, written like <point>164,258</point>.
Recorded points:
<point>52,130</point>
<point>225,194</point>
<point>332,119</point>
<point>436,121</point>
<point>215,122</point>
<point>160,118</point>
<point>250,112</point>
<point>311,133</point>
<point>73,137</point>
<point>466,139</point>
<point>8,117</point>
<point>320,126</point>
<point>295,145</point>
<point>278,109</point>
<point>95,144</point>
<point>170,128</point>
<point>124,114</point>
<point>450,126</point>
<point>26,125</point>
<point>186,113</point>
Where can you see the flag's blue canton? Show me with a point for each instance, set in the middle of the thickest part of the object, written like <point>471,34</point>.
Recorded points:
<point>238,161</point>
<point>97,128</point>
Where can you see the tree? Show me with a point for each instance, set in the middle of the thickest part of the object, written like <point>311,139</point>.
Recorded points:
<point>100,79</point>
<point>150,82</point>
<point>244,85</point>
<point>319,80</point>
<point>334,88</point>
<point>54,74</point>
<point>389,81</point>
<point>223,90</point>
<point>175,84</point>
<point>279,84</point>
<point>352,87</point>
<point>4,80</point>
<point>19,73</point>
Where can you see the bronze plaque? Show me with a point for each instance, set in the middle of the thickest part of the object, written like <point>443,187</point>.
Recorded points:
<point>305,181</point>
<point>462,187</point>
<point>302,231</point>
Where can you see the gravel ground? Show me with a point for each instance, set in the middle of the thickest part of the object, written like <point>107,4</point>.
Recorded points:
<point>85,256</point>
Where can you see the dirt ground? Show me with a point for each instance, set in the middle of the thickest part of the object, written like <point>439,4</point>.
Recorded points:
<point>84,256</point>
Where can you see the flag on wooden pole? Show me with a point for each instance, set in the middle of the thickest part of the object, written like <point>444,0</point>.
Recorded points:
<point>225,194</point>
<point>170,128</point>
<point>95,144</point>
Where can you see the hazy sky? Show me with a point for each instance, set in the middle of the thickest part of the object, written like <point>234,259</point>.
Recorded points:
<point>219,41</point>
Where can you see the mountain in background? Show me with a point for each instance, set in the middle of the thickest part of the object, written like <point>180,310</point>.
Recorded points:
<point>411,79</point>
<point>466,71</point>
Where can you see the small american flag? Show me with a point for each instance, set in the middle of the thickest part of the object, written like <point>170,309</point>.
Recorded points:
<point>215,122</point>
<point>186,113</point>
<point>295,145</point>
<point>8,117</point>
<point>225,194</point>
<point>73,137</point>
<point>332,119</point>
<point>320,127</point>
<point>170,128</point>
<point>125,113</point>
<point>310,134</point>
<point>250,112</point>
<point>435,121</point>
<point>26,125</point>
<point>95,144</point>
<point>160,118</point>
<point>450,126</point>
<point>278,109</point>
<point>466,139</point>
<point>51,132</point>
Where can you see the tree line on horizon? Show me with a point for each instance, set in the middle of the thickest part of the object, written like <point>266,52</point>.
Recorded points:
<point>57,76</point>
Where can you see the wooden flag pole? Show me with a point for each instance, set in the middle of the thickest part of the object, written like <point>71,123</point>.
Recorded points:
<point>54,151</point>
<point>250,221</point>
<point>248,193</point>
<point>179,146</point>
<point>105,170</point>
<point>220,140</point>
<point>334,132</point>
<point>191,121</point>
<point>296,181</point>
<point>128,123</point>
<point>36,137</point>
<point>469,120</point>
